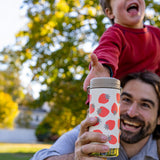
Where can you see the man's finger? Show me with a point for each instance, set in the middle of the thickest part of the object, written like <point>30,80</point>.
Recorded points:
<point>94,148</point>
<point>85,124</point>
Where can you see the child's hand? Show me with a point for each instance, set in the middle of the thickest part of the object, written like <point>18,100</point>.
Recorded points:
<point>97,70</point>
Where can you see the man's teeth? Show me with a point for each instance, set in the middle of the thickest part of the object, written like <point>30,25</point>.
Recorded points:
<point>131,123</point>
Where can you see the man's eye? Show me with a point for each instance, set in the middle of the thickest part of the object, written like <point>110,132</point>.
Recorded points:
<point>145,105</point>
<point>126,100</point>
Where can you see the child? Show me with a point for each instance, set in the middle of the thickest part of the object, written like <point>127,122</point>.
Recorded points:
<point>129,45</point>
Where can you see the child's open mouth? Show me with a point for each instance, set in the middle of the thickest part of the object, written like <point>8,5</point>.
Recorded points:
<point>133,8</point>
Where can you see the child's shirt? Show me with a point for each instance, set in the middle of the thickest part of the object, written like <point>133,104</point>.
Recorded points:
<point>128,50</point>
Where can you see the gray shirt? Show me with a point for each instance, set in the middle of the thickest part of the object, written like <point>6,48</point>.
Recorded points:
<point>66,144</point>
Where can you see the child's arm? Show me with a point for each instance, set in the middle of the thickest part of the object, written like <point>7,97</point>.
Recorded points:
<point>97,70</point>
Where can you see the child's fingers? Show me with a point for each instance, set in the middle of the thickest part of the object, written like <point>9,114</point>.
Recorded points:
<point>94,60</point>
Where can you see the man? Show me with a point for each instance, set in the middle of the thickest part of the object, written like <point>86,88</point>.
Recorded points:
<point>140,120</point>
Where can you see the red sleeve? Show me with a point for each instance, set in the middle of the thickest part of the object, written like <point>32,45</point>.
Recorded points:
<point>110,47</point>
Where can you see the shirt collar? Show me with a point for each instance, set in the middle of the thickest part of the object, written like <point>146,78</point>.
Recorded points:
<point>148,152</point>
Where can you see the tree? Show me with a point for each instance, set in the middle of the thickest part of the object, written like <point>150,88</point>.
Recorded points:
<point>10,83</point>
<point>8,111</point>
<point>9,75</point>
<point>53,45</point>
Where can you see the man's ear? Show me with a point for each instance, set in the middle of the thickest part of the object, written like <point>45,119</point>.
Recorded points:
<point>109,13</point>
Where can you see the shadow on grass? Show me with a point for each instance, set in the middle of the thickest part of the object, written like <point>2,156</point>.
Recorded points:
<point>15,156</point>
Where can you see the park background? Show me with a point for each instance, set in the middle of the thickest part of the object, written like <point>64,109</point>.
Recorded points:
<point>42,70</point>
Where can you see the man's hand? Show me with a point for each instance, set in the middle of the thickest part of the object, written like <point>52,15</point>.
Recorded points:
<point>97,70</point>
<point>83,145</point>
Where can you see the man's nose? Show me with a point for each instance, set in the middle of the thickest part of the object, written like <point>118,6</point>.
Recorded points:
<point>133,110</point>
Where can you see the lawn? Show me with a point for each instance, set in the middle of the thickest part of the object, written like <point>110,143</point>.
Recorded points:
<point>9,151</point>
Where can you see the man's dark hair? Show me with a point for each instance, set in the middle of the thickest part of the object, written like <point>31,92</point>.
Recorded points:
<point>149,78</point>
<point>106,4</point>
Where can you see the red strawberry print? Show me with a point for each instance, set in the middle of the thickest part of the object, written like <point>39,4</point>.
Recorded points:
<point>103,112</point>
<point>118,97</point>
<point>97,131</point>
<point>103,98</point>
<point>91,108</point>
<point>110,124</point>
<point>112,139</point>
<point>114,109</point>
<point>98,120</point>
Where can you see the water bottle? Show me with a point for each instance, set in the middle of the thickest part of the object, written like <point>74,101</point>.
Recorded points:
<point>104,96</point>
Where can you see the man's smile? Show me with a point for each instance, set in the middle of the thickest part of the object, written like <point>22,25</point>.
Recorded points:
<point>130,126</point>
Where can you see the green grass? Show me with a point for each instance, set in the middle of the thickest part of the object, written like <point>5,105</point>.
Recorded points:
<point>15,156</point>
<point>9,151</point>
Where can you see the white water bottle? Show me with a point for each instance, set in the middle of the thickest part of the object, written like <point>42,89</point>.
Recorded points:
<point>104,105</point>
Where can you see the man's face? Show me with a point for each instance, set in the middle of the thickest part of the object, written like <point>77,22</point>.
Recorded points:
<point>128,13</point>
<point>138,111</point>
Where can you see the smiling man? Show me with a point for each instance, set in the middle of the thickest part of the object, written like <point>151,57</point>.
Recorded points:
<point>140,119</point>
<point>138,111</point>
<point>140,126</point>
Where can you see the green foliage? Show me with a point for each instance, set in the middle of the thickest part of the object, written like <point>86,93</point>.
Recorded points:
<point>67,112</point>
<point>9,75</point>
<point>10,83</point>
<point>154,6</point>
<point>8,111</point>
<point>54,39</point>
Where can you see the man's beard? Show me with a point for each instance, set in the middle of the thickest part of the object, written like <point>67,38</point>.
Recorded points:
<point>134,137</point>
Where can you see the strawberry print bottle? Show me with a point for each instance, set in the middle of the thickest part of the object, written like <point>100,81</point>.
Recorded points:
<point>104,105</point>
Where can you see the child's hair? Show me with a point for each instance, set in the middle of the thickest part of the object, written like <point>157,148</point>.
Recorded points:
<point>106,4</point>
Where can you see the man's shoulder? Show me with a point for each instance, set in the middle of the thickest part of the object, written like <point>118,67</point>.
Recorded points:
<point>74,131</point>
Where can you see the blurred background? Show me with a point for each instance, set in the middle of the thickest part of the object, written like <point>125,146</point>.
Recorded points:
<point>45,48</point>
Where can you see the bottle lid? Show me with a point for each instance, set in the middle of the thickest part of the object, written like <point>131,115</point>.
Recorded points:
<point>105,82</point>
